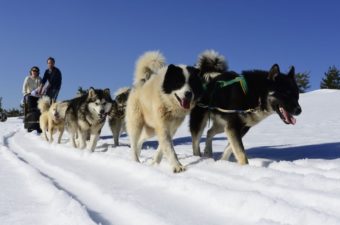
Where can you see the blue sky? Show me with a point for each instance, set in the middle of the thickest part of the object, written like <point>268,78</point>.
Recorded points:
<point>96,43</point>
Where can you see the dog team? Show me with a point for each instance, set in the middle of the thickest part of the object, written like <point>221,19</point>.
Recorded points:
<point>162,96</point>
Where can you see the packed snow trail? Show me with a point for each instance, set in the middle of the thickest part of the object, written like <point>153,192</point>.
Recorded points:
<point>114,189</point>
<point>293,177</point>
<point>33,198</point>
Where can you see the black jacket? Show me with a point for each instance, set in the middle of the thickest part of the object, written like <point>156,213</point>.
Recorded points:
<point>53,77</point>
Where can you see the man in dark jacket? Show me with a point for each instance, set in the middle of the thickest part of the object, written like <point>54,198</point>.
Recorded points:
<point>53,76</point>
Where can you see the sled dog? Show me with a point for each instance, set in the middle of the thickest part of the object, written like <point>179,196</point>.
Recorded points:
<point>236,102</point>
<point>117,113</point>
<point>160,99</point>
<point>86,115</point>
<point>52,118</point>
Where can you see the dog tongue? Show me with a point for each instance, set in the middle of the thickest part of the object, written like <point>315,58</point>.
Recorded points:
<point>288,117</point>
<point>185,103</point>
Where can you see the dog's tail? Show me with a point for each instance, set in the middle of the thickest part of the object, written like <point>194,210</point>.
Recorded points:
<point>62,107</point>
<point>44,104</point>
<point>147,64</point>
<point>122,90</point>
<point>211,61</point>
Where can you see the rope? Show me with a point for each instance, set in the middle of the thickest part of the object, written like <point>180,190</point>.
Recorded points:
<point>225,110</point>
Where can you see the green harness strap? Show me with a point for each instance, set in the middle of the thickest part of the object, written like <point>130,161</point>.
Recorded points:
<point>222,84</point>
<point>243,83</point>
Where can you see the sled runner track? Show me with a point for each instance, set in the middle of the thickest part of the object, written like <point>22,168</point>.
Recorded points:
<point>330,170</point>
<point>77,188</point>
<point>222,169</point>
<point>115,207</point>
<point>217,193</point>
<point>38,193</point>
<point>304,198</point>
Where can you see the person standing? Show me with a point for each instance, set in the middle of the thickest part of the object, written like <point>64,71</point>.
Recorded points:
<point>51,82</point>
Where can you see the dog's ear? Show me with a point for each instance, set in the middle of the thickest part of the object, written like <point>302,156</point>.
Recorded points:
<point>107,92</point>
<point>172,69</point>
<point>291,72</point>
<point>92,93</point>
<point>173,79</point>
<point>195,81</point>
<point>193,70</point>
<point>114,105</point>
<point>274,72</point>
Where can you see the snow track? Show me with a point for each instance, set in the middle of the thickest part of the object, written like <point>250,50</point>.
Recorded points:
<point>93,183</point>
<point>148,194</point>
<point>55,205</point>
<point>69,186</point>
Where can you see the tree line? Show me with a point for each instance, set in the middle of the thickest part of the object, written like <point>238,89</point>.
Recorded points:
<point>331,80</point>
<point>13,112</point>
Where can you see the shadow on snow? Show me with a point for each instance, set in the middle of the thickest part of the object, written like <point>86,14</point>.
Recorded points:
<point>277,153</point>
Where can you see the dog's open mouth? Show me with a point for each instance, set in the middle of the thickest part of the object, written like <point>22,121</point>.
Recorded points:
<point>185,102</point>
<point>56,117</point>
<point>102,115</point>
<point>286,117</point>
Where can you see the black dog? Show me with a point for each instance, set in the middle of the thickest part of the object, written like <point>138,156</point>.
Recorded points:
<point>235,103</point>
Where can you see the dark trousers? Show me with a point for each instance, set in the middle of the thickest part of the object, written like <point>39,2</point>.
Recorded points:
<point>30,103</point>
<point>52,93</point>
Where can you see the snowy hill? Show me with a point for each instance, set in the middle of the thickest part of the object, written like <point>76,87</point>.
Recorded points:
<point>293,177</point>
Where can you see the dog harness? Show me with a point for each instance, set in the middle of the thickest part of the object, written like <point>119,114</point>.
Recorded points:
<point>221,84</point>
<point>243,83</point>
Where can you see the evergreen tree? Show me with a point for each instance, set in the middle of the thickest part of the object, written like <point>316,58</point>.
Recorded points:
<point>302,80</point>
<point>13,112</point>
<point>81,91</point>
<point>331,79</point>
<point>1,104</point>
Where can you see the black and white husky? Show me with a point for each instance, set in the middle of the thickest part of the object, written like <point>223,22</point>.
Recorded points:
<point>159,101</point>
<point>236,102</point>
<point>86,115</point>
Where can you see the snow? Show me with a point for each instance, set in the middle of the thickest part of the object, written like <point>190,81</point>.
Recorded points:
<point>293,177</point>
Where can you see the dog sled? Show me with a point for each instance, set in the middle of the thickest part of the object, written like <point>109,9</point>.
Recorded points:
<point>3,117</point>
<point>31,114</point>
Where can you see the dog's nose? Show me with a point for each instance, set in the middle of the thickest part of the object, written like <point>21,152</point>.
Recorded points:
<point>102,111</point>
<point>188,94</point>
<point>298,110</point>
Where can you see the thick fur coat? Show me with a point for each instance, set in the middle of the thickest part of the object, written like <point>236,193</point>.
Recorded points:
<point>117,114</point>
<point>52,118</point>
<point>86,115</point>
<point>159,101</point>
<point>234,108</point>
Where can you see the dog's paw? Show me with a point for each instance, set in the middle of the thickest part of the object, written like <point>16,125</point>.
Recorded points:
<point>154,163</point>
<point>82,147</point>
<point>198,153</point>
<point>208,154</point>
<point>178,169</point>
<point>136,159</point>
